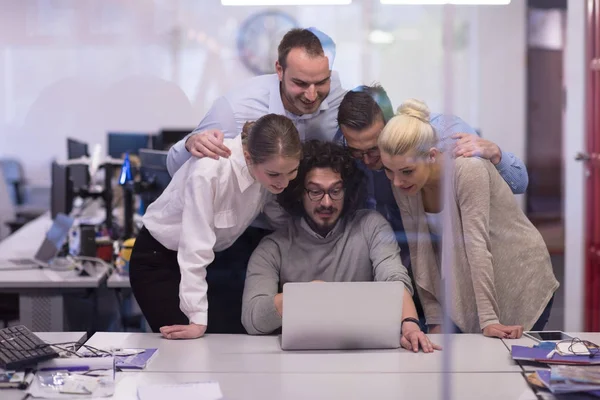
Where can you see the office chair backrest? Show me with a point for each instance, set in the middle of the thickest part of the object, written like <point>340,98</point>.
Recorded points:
<point>15,179</point>
<point>7,208</point>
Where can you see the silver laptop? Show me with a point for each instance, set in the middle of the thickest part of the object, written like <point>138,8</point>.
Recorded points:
<point>51,245</point>
<point>342,315</point>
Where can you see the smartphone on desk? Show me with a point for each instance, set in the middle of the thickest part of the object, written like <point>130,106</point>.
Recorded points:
<point>547,336</point>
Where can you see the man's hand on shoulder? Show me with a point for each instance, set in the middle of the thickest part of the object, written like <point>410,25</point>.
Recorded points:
<point>207,144</point>
<point>468,145</point>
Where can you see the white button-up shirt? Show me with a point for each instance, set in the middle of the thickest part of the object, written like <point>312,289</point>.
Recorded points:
<point>206,207</point>
<point>257,97</point>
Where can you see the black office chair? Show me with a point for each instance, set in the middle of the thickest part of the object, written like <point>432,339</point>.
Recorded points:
<point>9,308</point>
<point>16,187</point>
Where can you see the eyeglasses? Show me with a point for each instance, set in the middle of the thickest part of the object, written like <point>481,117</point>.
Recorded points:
<point>318,194</point>
<point>360,154</point>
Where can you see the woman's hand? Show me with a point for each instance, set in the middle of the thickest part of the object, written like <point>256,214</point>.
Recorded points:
<point>412,337</point>
<point>191,331</point>
<point>503,331</point>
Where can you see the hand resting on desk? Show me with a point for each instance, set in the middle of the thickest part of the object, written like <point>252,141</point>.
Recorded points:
<point>413,337</point>
<point>191,331</point>
<point>493,330</point>
<point>503,331</point>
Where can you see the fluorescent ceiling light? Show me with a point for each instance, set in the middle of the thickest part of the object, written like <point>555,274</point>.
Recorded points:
<point>457,2</point>
<point>381,37</point>
<point>285,2</point>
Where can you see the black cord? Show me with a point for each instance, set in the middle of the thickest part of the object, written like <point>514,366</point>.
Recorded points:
<point>95,351</point>
<point>591,348</point>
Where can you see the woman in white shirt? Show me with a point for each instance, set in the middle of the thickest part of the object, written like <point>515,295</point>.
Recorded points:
<point>206,207</point>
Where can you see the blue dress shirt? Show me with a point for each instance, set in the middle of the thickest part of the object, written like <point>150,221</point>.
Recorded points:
<point>257,97</point>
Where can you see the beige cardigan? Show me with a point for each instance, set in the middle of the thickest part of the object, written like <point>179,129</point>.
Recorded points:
<point>501,271</point>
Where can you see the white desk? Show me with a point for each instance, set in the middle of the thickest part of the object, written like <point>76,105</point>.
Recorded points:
<point>263,354</point>
<point>347,386</point>
<point>40,290</point>
<point>48,337</point>
<point>62,337</point>
<point>116,281</point>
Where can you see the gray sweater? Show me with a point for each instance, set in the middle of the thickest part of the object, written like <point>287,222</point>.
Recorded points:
<point>361,247</point>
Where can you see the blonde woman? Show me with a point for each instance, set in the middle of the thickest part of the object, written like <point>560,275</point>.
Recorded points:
<point>501,276</point>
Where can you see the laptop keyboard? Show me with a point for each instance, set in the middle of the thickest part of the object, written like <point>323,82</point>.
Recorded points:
<point>20,348</point>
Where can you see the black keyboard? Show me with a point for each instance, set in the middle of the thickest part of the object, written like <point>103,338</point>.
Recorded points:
<point>20,348</point>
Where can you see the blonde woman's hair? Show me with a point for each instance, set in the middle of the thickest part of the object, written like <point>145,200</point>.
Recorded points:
<point>408,130</point>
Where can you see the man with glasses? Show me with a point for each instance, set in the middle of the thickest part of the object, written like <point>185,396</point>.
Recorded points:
<point>362,116</point>
<point>329,239</point>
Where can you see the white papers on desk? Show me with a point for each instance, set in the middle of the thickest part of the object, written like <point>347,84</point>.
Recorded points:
<point>181,391</point>
<point>71,386</point>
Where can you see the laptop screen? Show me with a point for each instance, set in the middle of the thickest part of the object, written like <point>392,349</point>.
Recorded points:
<point>55,238</point>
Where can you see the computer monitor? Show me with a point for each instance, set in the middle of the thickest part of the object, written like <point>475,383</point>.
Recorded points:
<point>76,149</point>
<point>168,137</point>
<point>61,193</point>
<point>131,143</point>
<point>79,173</point>
<point>154,174</point>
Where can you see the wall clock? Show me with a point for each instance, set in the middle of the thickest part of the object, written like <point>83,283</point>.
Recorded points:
<point>258,38</point>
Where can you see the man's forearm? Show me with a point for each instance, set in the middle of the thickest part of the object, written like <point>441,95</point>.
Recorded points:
<point>408,306</point>
<point>261,316</point>
<point>514,172</point>
<point>177,156</point>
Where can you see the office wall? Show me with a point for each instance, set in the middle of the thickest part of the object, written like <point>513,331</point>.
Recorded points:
<point>502,75</point>
<point>80,69</point>
<point>574,173</point>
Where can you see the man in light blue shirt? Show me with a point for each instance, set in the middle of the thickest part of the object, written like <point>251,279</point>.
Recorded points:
<point>304,89</point>
<point>365,110</point>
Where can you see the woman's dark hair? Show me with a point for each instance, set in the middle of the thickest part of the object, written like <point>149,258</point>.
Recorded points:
<point>271,135</point>
<point>319,154</point>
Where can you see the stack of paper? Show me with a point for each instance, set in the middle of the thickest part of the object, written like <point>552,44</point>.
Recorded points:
<point>138,359</point>
<point>538,354</point>
<point>571,379</point>
<point>181,391</point>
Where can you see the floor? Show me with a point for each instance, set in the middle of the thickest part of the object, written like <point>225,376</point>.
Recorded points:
<point>557,315</point>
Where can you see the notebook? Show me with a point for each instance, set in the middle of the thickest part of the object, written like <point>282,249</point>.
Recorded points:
<point>524,353</point>
<point>135,361</point>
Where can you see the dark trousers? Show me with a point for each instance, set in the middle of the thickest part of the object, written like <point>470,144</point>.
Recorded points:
<point>155,276</point>
<point>539,324</point>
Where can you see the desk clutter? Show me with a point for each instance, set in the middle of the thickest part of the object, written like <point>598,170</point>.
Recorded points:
<point>63,370</point>
<point>245,367</point>
<point>574,366</point>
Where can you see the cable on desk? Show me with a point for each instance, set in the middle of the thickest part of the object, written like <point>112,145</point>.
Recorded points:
<point>95,351</point>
